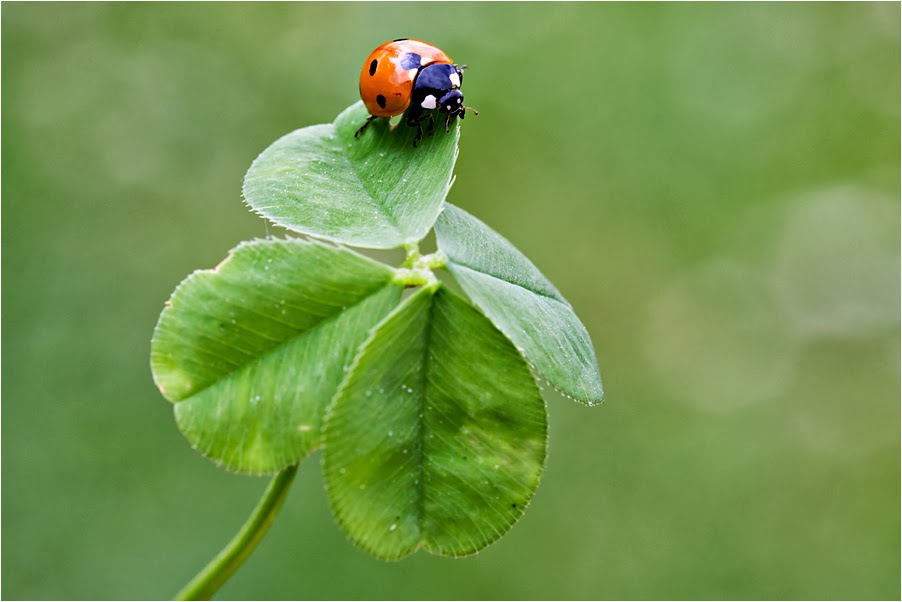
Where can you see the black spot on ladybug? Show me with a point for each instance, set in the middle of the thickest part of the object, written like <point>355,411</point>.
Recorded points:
<point>411,60</point>
<point>380,100</point>
<point>373,66</point>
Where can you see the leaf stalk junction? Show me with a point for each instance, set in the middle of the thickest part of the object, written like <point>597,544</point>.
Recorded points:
<point>417,270</point>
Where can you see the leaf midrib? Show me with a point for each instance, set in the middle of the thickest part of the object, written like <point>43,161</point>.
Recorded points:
<point>380,204</point>
<point>452,264</point>
<point>325,321</point>
<point>426,366</point>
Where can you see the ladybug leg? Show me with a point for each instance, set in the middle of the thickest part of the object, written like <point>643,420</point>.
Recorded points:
<point>449,120</point>
<point>363,127</point>
<point>419,135</point>
<point>417,121</point>
<point>429,131</point>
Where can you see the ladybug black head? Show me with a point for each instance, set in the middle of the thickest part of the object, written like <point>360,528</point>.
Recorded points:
<point>452,103</point>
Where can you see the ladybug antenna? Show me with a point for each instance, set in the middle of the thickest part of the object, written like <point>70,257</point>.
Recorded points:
<point>461,112</point>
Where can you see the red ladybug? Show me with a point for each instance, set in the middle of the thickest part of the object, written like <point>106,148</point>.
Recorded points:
<point>413,76</point>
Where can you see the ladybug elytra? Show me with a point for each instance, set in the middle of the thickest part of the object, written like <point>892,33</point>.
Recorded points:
<point>413,76</point>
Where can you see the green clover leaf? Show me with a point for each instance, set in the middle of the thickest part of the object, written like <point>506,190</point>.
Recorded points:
<point>375,191</point>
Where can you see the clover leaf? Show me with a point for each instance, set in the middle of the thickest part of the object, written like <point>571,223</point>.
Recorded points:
<point>252,351</point>
<point>437,437</point>
<point>375,191</point>
<point>520,301</point>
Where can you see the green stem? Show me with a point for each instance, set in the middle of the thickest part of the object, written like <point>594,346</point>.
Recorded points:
<point>411,254</point>
<point>211,578</point>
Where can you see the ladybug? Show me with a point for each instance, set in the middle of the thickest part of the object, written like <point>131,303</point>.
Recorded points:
<point>413,76</point>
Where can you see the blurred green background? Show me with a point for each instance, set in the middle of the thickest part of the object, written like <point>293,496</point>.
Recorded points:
<point>714,187</point>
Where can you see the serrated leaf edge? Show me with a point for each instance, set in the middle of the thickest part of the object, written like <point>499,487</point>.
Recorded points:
<point>588,402</point>
<point>169,304</point>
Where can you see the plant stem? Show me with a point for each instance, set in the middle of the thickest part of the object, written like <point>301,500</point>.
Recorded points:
<point>411,254</point>
<point>211,578</point>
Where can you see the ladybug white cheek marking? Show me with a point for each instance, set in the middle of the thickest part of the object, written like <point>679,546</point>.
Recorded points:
<point>455,80</point>
<point>428,102</point>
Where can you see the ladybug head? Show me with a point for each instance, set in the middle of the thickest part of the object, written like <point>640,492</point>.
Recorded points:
<point>452,104</point>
